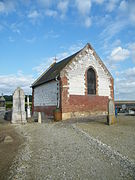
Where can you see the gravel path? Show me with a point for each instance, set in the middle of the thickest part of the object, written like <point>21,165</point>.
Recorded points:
<point>60,151</point>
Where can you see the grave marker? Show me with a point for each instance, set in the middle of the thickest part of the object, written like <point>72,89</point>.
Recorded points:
<point>111,113</point>
<point>18,113</point>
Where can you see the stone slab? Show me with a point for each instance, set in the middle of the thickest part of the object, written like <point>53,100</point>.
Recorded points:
<point>18,113</point>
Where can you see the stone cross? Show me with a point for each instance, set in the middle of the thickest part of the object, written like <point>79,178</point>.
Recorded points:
<point>18,112</point>
<point>111,112</point>
<point>28,108</point>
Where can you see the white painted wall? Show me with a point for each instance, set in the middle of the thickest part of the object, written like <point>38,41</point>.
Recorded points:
<point>76,75</point>
<point>46,94</point>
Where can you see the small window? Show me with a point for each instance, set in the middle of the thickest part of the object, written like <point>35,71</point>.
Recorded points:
<point>91,81</point>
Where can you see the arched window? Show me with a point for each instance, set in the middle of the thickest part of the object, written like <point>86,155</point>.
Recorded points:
<point>91,81</point>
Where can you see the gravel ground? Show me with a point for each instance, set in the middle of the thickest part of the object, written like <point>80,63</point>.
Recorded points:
<point>8,149</point>
<point>63,151</point>
<point>120,136</point>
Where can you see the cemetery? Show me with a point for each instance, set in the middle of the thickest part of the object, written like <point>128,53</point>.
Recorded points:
<point>27,142</point>
<point>72,129</point>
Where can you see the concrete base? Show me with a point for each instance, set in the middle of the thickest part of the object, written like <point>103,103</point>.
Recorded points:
<point>71,115</point>
<point>111,119</point>
<point>18,118</point>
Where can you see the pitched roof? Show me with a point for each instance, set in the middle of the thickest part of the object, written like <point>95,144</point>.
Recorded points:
<point>54,70</point>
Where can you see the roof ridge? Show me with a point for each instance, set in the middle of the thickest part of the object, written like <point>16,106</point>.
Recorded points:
<point>55,68</point>
<point>98,58</point>
<point>55,65</point>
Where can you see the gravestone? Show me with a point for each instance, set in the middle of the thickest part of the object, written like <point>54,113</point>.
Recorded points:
<point>39,118</point>
<point>2,107</point>
<point>111,113</point>
<point>18,112</point>
<point>28,108</point>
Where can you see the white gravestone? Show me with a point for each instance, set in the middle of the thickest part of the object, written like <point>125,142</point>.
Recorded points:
<point>18,113</point>
<point>28,108</point>
<point>111,112</point>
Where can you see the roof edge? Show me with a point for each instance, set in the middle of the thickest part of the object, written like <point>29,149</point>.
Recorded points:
<point>99,59</point>
<point>87,46</point>
<point>43,74</point>
<point>43,83</point>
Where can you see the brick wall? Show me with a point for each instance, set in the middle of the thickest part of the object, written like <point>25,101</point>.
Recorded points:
<point>86,103</point>
<point>81,105</point>
<point>75,101</point>
<point>48,110</point>
<point>75,72</point>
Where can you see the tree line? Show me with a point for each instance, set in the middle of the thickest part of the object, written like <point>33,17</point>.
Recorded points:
<point>10,98</point>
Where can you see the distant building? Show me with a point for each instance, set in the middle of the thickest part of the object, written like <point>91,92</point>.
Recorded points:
<point>79,85</point>
<point>124,106</point>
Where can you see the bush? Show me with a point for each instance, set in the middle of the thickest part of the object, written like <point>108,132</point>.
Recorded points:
<point>9,105</point>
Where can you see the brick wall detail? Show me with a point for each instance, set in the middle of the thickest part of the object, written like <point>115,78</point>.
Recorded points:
<point>48,110</point>
<point>75,72</point>
<point>74,97</point>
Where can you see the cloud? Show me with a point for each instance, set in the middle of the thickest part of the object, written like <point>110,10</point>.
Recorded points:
<point>51,34</point>
<point>46,62</point>
<point>63,7</point>
<point>123,17</point>
<point>112,28</point>
<point>119,54</point>
<point>51,13</point>
<point>15,27</point>
<point>125,84</point>
<point>84,8</point>
<point>11,39</point>
<point>127,9</point>
<point>131,11</point>
<point>88,22</point>
<point>2,7</point>
<point>45,3</point>
<point>123,6</point>
<point>1,27</point>
<point>34,14</point>
<point>10,82</point>
<point>111,5</point>
<point>7,7</point>
<point>31,40</point>
<point>99,1</point>
<point>111,31</point>
<point>131,47</point>
<point>115,55</point>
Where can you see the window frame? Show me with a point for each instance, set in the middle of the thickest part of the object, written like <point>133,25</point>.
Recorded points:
<point>95,83</point>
